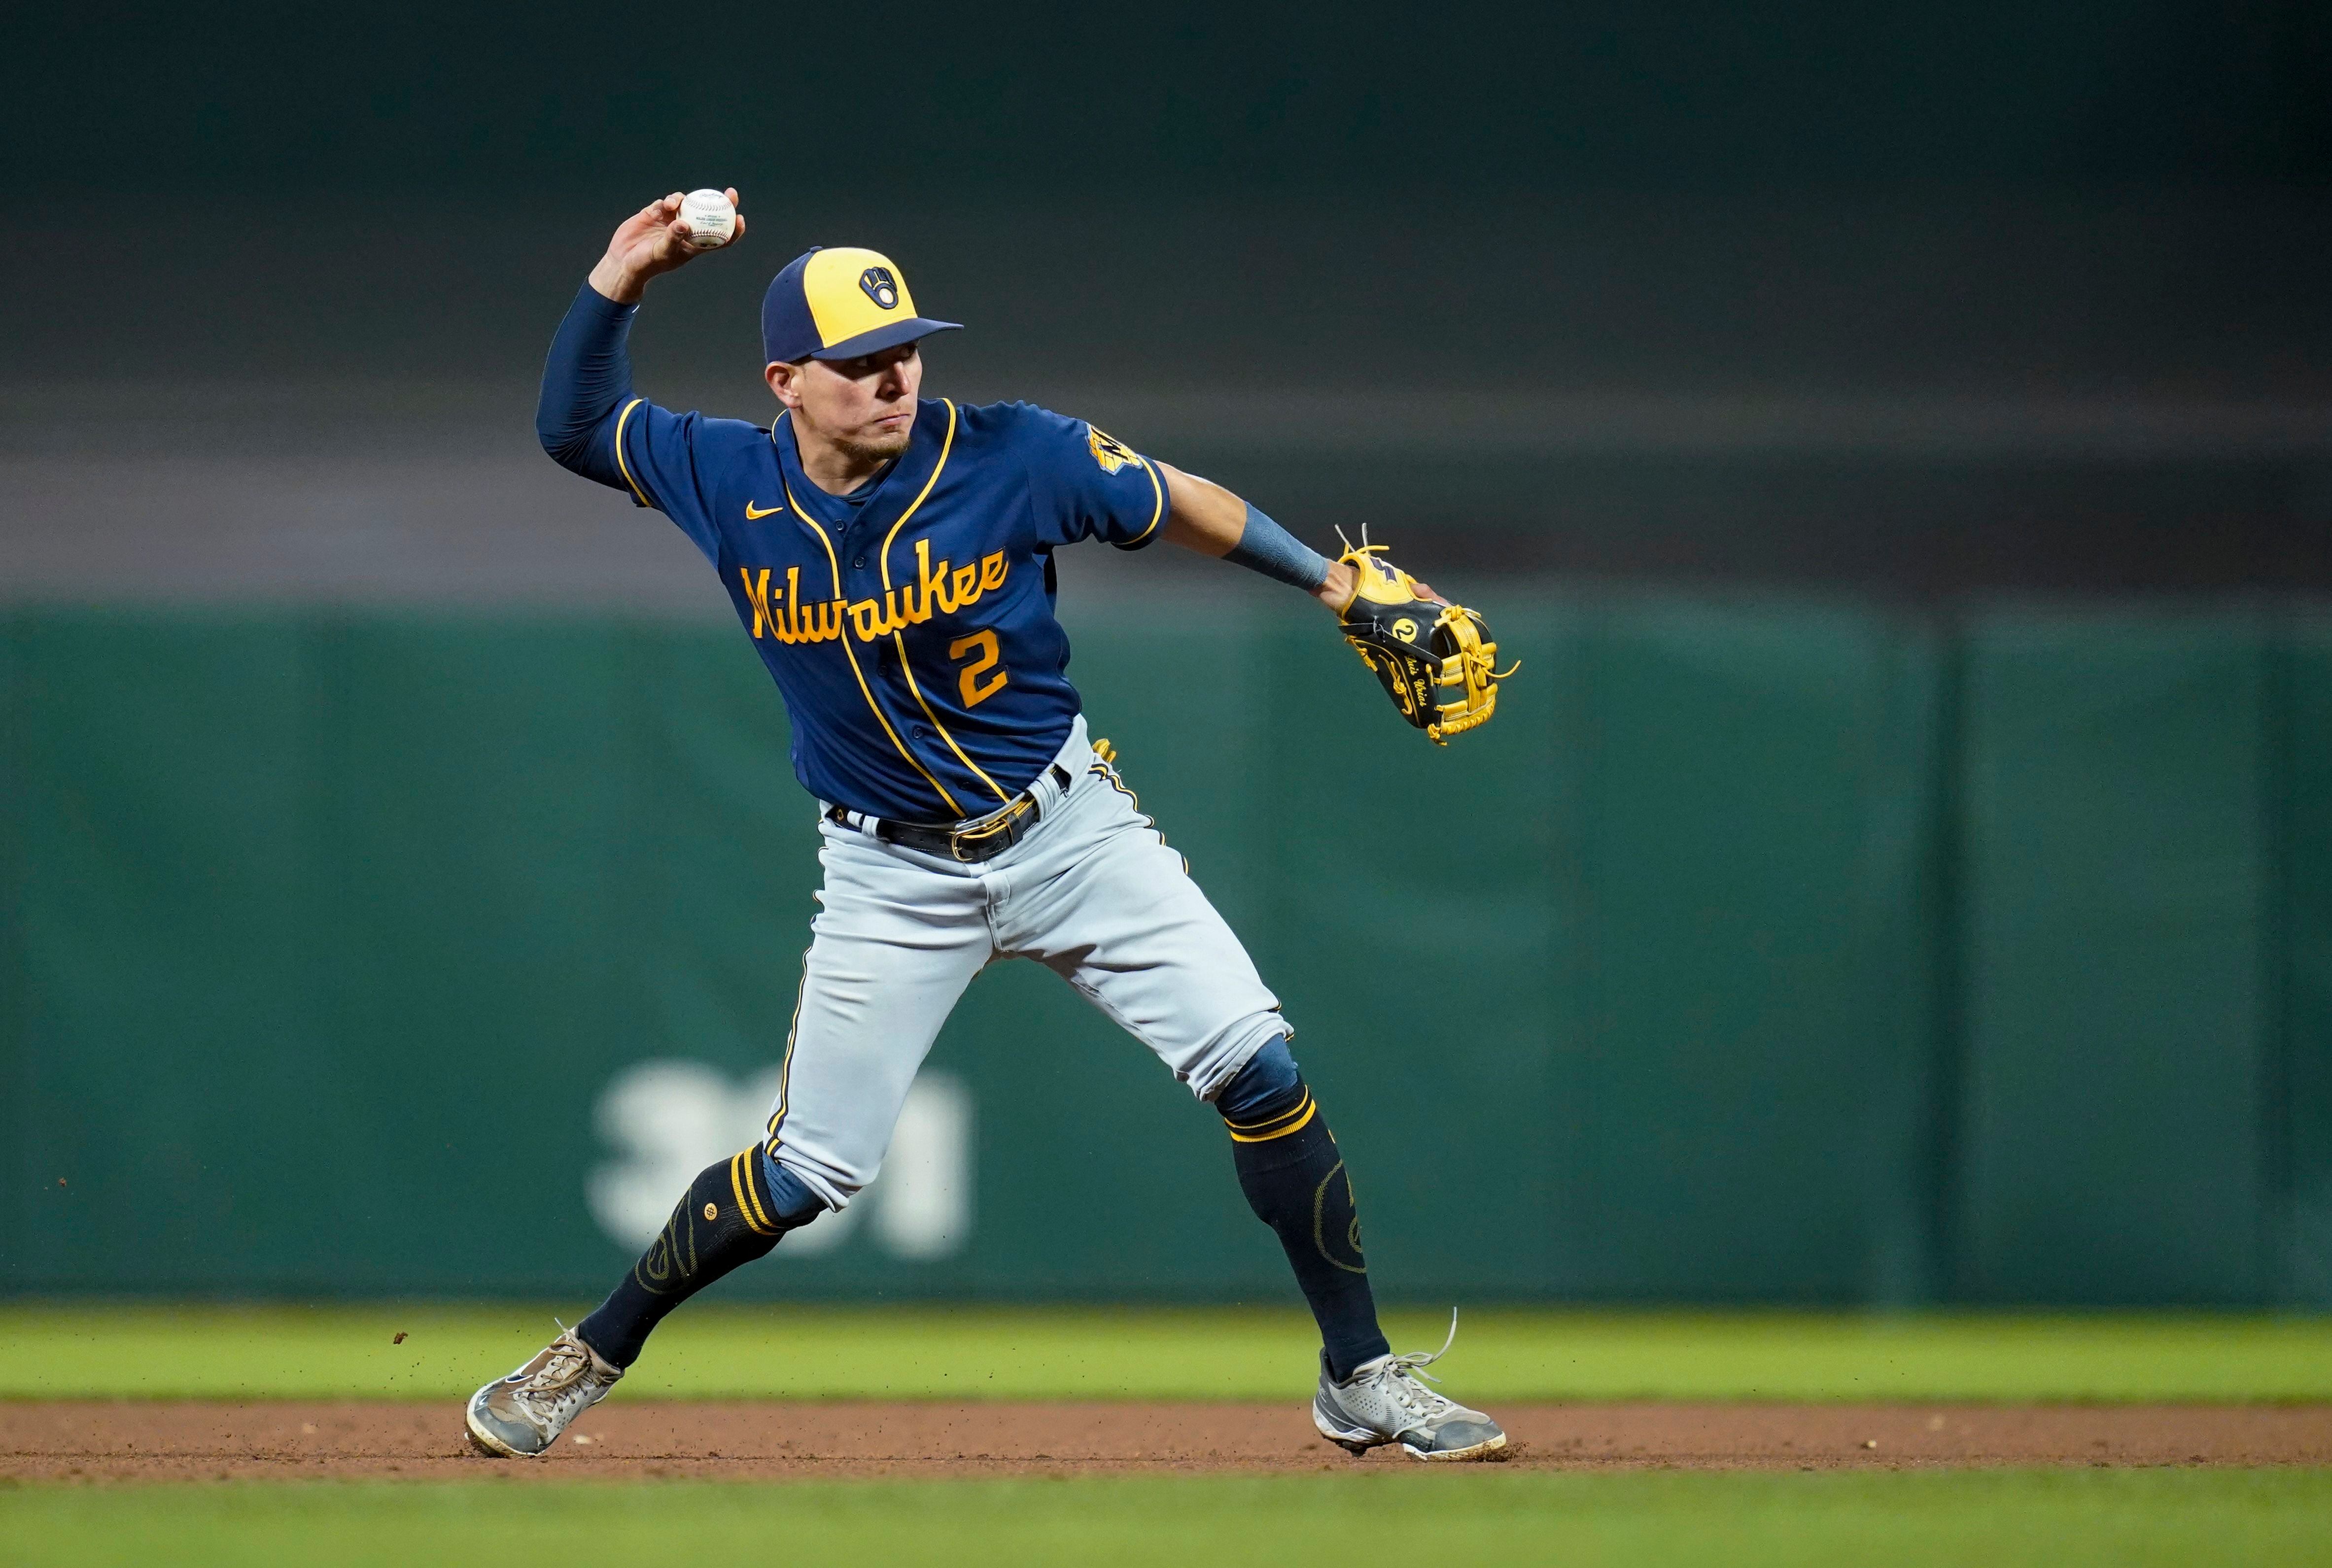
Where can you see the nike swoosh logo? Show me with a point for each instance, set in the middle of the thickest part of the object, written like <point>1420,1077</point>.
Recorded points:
<point>754,513</point>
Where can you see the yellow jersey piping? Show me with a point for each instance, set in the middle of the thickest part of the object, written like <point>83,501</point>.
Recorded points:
<point>834,564</point>
<point>1156,513</point>
<point>622,466</point>
<point>946,445</point>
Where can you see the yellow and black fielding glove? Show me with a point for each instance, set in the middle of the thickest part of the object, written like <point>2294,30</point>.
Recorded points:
<point>1421,647</point>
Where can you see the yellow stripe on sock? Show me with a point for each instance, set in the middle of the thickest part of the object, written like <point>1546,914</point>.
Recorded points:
<point>1274,1119</point>
<point>1253,1132</point>
<point>1276,1116</point>
<point>746,1208</point>
<point>751,1158</point>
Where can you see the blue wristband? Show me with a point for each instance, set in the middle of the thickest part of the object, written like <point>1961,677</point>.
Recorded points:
<point>1264,547</point>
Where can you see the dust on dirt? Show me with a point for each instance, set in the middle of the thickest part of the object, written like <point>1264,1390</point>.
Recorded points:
<point>130,1440</point>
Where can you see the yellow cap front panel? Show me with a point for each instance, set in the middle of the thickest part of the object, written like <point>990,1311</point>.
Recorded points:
<point>847,286</point>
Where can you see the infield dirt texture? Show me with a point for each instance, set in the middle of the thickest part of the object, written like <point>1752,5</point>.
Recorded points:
<point>781,1391</point>
<point>127,1440</point>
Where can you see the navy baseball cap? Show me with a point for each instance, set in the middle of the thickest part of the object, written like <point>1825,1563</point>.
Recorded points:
<point>839,303</point>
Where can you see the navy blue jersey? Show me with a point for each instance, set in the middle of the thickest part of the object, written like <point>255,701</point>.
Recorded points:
<point>910,626</point>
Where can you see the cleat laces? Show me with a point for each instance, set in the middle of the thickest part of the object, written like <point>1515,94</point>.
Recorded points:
<point>554,1393</point>
<point>1398,1375</point>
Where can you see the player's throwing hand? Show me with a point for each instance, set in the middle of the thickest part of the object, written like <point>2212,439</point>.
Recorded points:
<point>653,241</point>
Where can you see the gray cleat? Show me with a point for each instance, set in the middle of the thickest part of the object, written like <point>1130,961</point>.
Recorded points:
<point>519,1416</point>
<point>1383,1401</point>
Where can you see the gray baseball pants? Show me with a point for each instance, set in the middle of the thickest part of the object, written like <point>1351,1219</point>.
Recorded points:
<point>1092,892</point>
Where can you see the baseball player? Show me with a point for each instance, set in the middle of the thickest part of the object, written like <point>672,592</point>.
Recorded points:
<point>891,556</point>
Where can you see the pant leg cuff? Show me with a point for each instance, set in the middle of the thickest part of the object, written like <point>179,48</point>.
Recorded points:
<point>1241,1041</point>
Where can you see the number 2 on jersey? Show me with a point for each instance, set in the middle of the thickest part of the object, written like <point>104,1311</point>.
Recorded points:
<point>974,690</point>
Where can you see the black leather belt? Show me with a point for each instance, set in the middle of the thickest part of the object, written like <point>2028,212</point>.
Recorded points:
<point>971,841</point>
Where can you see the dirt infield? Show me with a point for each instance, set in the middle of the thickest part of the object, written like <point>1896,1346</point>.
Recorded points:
<point>130,1442</point>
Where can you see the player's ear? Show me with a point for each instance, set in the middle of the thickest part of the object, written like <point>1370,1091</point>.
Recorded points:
<point>785,382</point>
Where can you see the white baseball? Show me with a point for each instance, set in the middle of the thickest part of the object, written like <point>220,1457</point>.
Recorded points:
<point>712,221</point>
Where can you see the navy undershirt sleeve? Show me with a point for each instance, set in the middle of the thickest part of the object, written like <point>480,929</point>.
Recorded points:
<point>1264,547</point>
<point>585,381</point>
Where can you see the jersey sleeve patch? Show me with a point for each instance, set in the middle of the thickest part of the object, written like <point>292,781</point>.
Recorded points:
<point>1110,452</point>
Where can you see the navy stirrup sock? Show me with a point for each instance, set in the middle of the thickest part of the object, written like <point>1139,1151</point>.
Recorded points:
<point>734,1212</point>
<point>1295,1181</point>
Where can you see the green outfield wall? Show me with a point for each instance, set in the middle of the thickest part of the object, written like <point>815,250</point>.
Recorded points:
<point>1778,951</point>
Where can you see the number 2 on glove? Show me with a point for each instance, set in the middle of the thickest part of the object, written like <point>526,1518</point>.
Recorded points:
<point>1421,647</point>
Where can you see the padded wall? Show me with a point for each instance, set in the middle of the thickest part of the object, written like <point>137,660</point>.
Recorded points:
<point>1769,951</point>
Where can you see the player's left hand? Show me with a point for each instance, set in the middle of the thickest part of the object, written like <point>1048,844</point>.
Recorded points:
<point>1344,581</point>
<point>1418,644</point>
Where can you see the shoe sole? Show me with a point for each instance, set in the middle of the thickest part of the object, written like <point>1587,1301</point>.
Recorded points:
<point>1352,1439</point>
<point>1476,1454</point>
<point>1358,1441</point>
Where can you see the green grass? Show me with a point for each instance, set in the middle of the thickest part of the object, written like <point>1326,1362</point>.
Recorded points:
<point>715,1351</point>
<point>1906,1520</point>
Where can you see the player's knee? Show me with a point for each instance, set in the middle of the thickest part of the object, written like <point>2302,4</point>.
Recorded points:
<point>1270,1085</point>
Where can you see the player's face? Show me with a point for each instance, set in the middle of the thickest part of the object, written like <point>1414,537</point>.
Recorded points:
<point>865,406</point>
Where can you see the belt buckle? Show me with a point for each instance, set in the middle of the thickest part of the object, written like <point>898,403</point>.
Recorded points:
<point>979,836</point>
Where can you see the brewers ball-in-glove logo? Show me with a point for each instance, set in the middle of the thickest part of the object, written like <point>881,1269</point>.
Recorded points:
<point>1421,647</point>
<point>881,287</point>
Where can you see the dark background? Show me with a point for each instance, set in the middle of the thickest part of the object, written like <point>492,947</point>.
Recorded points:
<point>1918,302</point>
<point>1070,101</point>
<point>1898,443</point>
